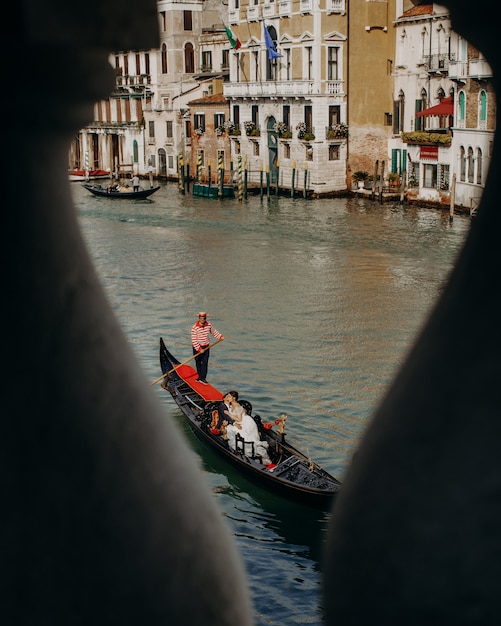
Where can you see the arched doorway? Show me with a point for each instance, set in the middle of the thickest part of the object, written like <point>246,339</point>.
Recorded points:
<point>272,149</point>
<point>162,163</point>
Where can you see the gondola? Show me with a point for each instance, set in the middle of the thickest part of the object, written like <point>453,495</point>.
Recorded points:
<point>105,192</point>
<point>291,473</point>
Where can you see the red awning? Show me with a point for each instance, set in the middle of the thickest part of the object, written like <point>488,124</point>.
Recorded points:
<point>444,109</point>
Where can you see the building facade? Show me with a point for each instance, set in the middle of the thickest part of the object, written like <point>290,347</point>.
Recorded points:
<point>321,87</point>
<point>444,110</point>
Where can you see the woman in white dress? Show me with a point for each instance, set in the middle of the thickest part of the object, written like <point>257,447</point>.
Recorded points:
<point>243,424</point>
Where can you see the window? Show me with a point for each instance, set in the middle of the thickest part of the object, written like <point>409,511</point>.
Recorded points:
<point>420,105</point>
<point>309,62</point>
<point>272,65</point>
<point>164,59</point>
<point>255,57</point>
<point>287,64</point>
<point>147,63</point>
<point>187,128</point>
<point>430,175</point>
<point>255,115</point>
<point>308,118</point>
<point>170,160</point>
<point>188,20</point>
<point>151,129</point>
<point>332,63</point>
<point>286,115</point>
<point>479,166</point>
<point>189,59</point>
<point>462,107</point>
<point>199,121</point>
<point>218,120</point>
<point>206,61</point>
<point>462,164</point>
<point>225,60</point>
<point>470,165</point>
<point>138,64</point>
<point>398,114</point>
<point>482,113</point>
<point>126,65</point>
<point>444,174</point>
<point>255,150</point>
<point>287,150</point>
<point>168,129</point>
<point>236,115</point>
<point>334,114</point>
<point>334,152</point>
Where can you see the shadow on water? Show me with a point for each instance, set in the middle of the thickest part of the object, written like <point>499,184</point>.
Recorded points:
<point>272,518</point>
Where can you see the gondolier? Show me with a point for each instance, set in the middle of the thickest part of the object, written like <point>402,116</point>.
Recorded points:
<point>200,332</point>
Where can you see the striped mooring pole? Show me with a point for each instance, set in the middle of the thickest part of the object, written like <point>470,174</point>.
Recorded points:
<point>240,179</point>
<point>220,174</point>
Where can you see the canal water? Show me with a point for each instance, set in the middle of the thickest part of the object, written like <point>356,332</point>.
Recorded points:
<point>318,300</point>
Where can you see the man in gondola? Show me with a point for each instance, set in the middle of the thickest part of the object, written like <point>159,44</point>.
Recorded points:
<point>200,332</point>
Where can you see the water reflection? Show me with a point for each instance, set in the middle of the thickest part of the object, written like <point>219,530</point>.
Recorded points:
<point>319,301</point>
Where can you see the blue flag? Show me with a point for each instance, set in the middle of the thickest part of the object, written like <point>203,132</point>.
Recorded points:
<point>272,53</point>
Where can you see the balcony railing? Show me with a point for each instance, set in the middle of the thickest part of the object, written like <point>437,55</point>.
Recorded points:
<point>285,7</point>
<point>269,9</point>
<point>336,6</point>
<point>283,88</point>
<point>253,13</point>
<point>306,6</point>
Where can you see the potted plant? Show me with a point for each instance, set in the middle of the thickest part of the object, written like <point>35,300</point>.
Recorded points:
<point>359,177</point>
<point>394,179</point>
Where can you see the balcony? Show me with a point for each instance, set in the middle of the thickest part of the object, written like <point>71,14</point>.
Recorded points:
<point>479,68</point>
<point>234,16</point>
<point>253,13</point>
<point>437,63</point>
<point>306,6</point>
<point>269,9</point>
<point>336,6</point>
<point>284,8</point>
<point>276,89</point>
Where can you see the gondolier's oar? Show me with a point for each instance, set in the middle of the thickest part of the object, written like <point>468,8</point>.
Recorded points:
<point>211,345</point>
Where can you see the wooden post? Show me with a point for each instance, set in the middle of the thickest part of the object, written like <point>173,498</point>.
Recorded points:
<point>305,179</point>
<point>374,182</point>
<point>261,190</point>
<point>382,183</point>
<point>453,198</point>
<point>278,174</point>
<point>268,182</point>
<point>402,186</point>
<point>293,178</point>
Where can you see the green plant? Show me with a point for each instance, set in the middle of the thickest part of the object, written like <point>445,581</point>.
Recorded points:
<point>418,136</point>
<point>360,175</point>
<point>308,137</point>
<point>394,176</point>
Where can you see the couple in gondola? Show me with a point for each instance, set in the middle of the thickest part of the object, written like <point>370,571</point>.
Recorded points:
<point>240,428</point>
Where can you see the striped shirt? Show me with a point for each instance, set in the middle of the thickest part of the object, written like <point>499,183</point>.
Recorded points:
<point>200,334</point>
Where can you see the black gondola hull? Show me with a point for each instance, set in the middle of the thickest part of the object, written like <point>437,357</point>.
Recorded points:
<point>103,192</point>
<point>292,474</point>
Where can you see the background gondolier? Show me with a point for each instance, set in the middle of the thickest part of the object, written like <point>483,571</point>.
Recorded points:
<point>200,341</point>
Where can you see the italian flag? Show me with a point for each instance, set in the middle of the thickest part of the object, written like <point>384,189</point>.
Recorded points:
<point>234,41</point>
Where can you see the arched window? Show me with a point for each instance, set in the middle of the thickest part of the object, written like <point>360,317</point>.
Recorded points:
<point>482,109</point>
<point>470,165</point>
<point>398,114</point>
<point>189,59</point>
<point>462,108</point>
<point>272,66</point>
<point>135,150</point>
<point>479,166</point>
<point>462,164</point>
<point>164,59</point>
